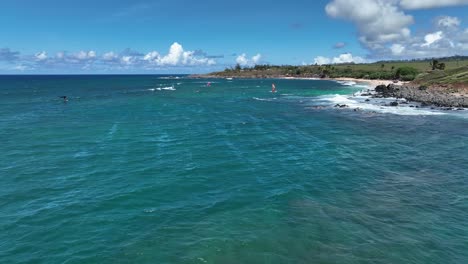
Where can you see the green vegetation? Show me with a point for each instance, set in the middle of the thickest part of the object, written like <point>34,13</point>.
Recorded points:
<point>451,77</point>
<point>384,70</point>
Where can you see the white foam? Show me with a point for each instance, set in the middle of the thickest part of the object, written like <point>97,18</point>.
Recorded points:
<point>264,99</point>
<point>356,102</point>
<point>169,88</point>
<point>347,83</point>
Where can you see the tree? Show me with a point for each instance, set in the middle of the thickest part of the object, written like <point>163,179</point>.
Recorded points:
<point>238,67</point>
<point>434,64</point>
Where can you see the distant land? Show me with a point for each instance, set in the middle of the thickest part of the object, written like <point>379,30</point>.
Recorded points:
<point>441,82</point>
<point>404,70</point>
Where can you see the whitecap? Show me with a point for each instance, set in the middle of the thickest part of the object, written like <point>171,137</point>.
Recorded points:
<point>359,103</point>
<point>347,83</point>
<point>169,88</point>
<point>264,99</point>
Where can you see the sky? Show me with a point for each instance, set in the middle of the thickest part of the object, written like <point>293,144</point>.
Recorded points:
<point>182,36</point>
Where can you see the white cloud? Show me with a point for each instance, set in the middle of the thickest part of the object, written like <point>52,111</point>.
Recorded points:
<point>128,60</point>
<point>110,56</point>
<point>397,49</point>
<point>378,21</point>
<point>425,4</point>
<point>242,60</point>
<point>256,59</point>
<point>320,60</point>
<point>152,56</point>
<point>177,56</point>
<point>41,56</point>
<point>448,22</point>
<point>432,38</point>
<point>342,58</point>
<point>383,28</point>
<point>85,55</point>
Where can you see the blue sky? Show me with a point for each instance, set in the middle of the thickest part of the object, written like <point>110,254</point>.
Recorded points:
<point>52,36</point>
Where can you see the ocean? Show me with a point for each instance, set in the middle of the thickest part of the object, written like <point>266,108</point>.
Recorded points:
<point>168,169</point>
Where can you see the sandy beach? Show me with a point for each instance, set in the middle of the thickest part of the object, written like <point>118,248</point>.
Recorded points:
<point>369,82</point>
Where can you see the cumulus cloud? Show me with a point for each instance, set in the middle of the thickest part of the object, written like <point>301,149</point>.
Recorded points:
<point>397,49</point>
<point>431,38</point>
<point>256,59</point>
<point>8,55</point>
<point>177,56</point>
<point>448,22</point>
<point>426,4</point>
<point>383,28</point>
<point>342,58</point>
<point>85,55</point>
<point>320,60</point>
<point>128,60</point>
<point>41,56</point>
<point>377,21</point>
<point>110,56</point>
<point>242,60</point>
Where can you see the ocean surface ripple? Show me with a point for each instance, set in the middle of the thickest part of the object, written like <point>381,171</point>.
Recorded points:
<point>129,172</point>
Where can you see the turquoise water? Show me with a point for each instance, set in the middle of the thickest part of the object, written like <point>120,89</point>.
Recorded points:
<point>126,173</point>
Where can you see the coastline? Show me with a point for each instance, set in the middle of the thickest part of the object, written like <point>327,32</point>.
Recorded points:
<point>430,96</point>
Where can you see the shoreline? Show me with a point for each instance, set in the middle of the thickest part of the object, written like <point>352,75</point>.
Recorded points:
<point>430,96</point>
<point>369,82</point>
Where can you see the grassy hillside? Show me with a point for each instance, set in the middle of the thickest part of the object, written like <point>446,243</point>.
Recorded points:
<point>447,77</point>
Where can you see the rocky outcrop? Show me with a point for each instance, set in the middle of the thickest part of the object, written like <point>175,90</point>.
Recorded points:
<point>424,95</point>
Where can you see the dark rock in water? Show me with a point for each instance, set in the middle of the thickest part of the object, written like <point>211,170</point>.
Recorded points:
<point>460,109</point>
<point>367,100</point>
<point>380,88</point>
<point>411,106</point>
<point>341,105</point>
<point>394,104</point>
<point>448,109</point>
<point>387,91</point>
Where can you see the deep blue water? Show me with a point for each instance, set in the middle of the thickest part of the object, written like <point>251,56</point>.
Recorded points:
<point>125,172</point>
